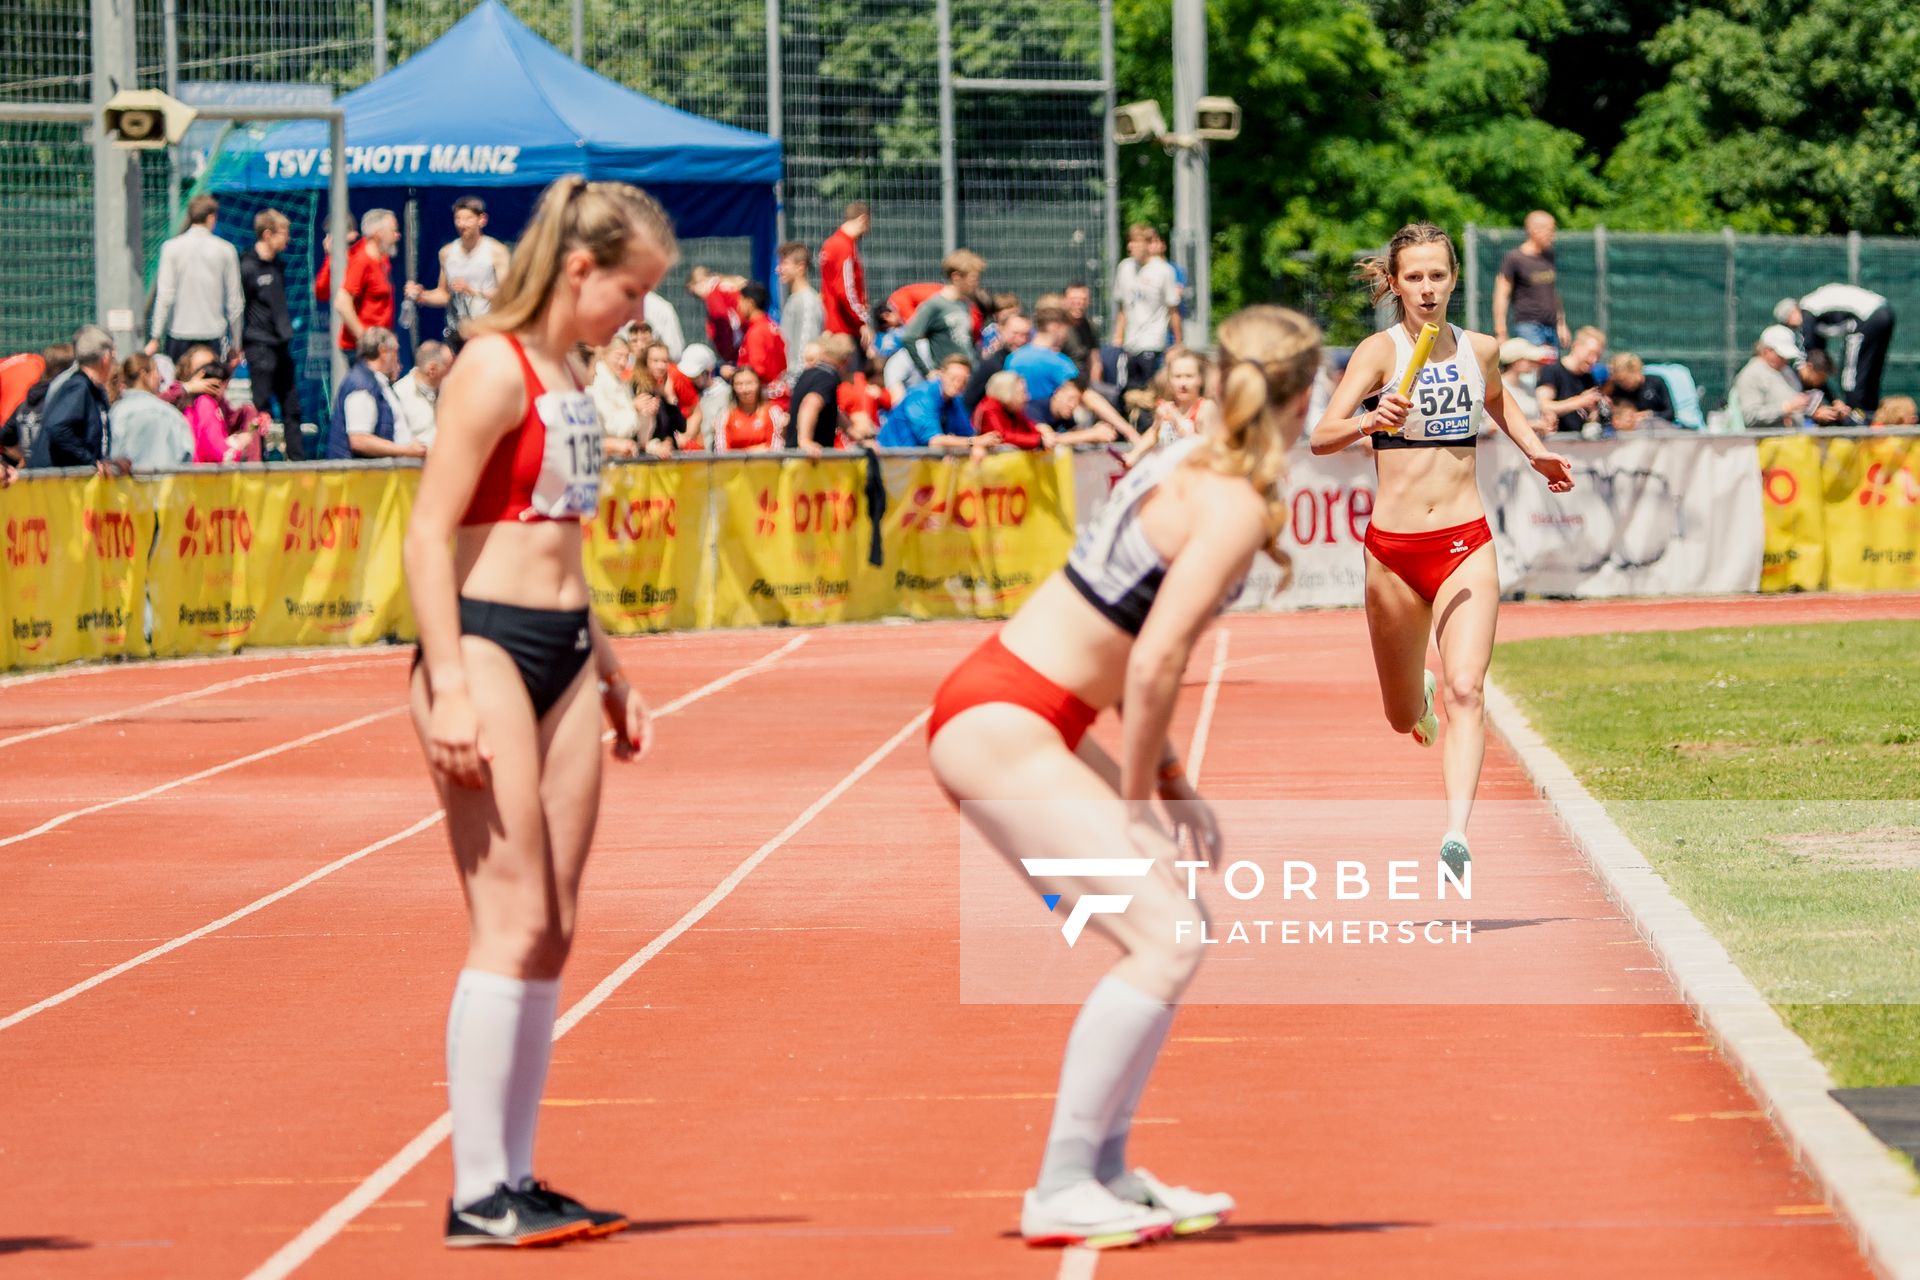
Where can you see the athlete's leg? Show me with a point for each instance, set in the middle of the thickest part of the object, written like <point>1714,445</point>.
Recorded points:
<point>1398,621</point>
<point>1466,609</point>
<point>510,979</point>
<point>1037,800</point>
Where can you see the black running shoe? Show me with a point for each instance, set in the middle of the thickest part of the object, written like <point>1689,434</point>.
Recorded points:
<point>513,1219</point>
<point>601,1222</point>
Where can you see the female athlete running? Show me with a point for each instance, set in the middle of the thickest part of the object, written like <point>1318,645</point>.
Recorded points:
<point>1168,551</point>
<point>1430,557</point>
<point>504,694</point>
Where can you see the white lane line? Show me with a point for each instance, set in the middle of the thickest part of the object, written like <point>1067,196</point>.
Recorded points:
<point>176,698</point>
<point>111,666</point>
<point>258,904</point>
<point>296,1252</point>
<point>155,953</point>
<point>727,681</point>
<point>306,740</point>
<point>1203,724</point>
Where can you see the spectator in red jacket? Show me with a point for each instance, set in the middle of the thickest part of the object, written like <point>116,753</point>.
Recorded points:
<point>1003,412</point>
<point>720,295</point>
<point>753,422</point>
<point>762,349</point>
<point>843,280</point>
<point>366,302</point>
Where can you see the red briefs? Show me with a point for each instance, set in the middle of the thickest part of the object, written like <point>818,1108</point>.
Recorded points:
<point>992,673</point>
<point>1426,560</point>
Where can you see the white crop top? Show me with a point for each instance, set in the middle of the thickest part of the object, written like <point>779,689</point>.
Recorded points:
<point>1449,397</point>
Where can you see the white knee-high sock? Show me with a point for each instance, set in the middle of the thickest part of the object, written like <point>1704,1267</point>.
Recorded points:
<point>1112,1159</point>
<point>533,1050</point>
<point>1096,1076</point>
<point>483,1030</point>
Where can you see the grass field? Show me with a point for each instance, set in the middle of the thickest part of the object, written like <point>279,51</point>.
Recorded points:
<point>1772,776</point>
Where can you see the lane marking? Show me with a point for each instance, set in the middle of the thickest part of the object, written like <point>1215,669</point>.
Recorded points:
<point>1203,723</point>
<point>297,1251</point>
<point>260,904</point>
<point>306,740</point>
<point>173,699</point>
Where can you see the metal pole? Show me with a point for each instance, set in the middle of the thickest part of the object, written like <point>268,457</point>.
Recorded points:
<point>1110,160</point>
<point>170,28</point>
<point>1853,257</point>
<point>579,33</point>
<point>1733,306</point>
<point>1190,231</point>
<point>949,176</point>
<point>379,37</point>
<point>1601,307</point>
<point>337,218</point>
<point>410,236</point>
<point>118,261</point>
<point>1472,264</point>
<point>776,121</point>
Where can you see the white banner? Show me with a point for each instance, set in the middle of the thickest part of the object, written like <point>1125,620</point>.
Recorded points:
<point>1666,515</point>
<point>1648,516</point>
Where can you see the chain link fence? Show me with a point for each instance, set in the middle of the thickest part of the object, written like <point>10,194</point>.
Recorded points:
<point>1702,300</point>
<point>854,88</point>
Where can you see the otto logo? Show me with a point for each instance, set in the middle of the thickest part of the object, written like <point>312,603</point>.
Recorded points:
<point>1880,478</point>
<point>1780,485</point>
<point>217,531</point>
<point>1004,505</point>
<point>111,532</point>
<point>28,541</point>
<point>320,528</point>
<point>640,519</point>
<point>1088,905</point>
<point>819,511</point>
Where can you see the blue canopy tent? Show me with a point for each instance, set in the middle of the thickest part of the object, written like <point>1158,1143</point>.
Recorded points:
<point>492,109</point>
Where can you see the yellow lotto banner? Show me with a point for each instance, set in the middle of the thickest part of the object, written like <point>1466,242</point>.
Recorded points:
<point>645,547</point>
<point>74,578</point>
<point>1793,491</point>
<point>968,539</point>
<point>299,558</point>
<point>1872,488</point>
<point>792,543</point>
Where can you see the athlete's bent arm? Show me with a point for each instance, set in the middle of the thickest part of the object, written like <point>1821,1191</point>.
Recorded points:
<point>1217,552</point>
<point>482,400</point>
<point>1366,372</point>
<point>1557,470</point>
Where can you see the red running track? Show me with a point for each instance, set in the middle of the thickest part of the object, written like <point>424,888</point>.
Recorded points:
<point>790,1085</point>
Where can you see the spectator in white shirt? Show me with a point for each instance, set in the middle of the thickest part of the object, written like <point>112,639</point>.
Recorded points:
<point>1146,299</point>
<point>419,393</point>
<point>1520,380</point>
<point>665,323</point>
<point>197,297</point>
<point>150,433</point>
<point>1767,391</point>
<point>367,422</point>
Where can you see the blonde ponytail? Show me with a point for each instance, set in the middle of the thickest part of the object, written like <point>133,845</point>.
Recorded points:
<point>1268,358</point>
<point>604,218</point>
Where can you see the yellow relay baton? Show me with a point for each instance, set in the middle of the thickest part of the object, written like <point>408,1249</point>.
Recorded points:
<point>1422,348</point>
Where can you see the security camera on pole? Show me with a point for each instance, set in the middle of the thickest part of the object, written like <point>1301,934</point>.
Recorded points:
<point>1197,120</point>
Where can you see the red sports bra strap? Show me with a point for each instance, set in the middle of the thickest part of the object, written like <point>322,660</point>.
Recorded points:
<point>535,387</point>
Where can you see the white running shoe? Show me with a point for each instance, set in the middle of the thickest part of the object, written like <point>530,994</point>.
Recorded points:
<point>1427,727</point>
<point>1192,1210</point>
<point>1088,1214</point>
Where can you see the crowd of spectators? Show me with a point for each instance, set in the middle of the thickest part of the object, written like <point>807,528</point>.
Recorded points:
<point>942,364</point>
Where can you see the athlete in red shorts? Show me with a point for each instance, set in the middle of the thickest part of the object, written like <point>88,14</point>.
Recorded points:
<point>1430,559</point>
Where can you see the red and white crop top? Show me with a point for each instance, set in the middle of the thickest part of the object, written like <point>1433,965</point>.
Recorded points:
<point>548,467</point>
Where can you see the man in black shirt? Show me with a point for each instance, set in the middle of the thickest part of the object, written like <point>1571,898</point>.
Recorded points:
<point>267,335</point>
<point>1083,340</point>
<point>1528,283</point>
<point>74,431</point>
<point>1569,391</point>
<point>815,415</point>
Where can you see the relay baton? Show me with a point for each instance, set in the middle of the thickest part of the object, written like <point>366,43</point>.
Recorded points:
<point>1422,348</point>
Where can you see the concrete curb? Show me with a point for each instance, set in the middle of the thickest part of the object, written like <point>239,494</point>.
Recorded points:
<point>1865,1183</point>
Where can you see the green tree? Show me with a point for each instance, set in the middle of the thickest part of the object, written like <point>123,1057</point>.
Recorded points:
<point>1777,116</point>
<point>1351,130</point>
